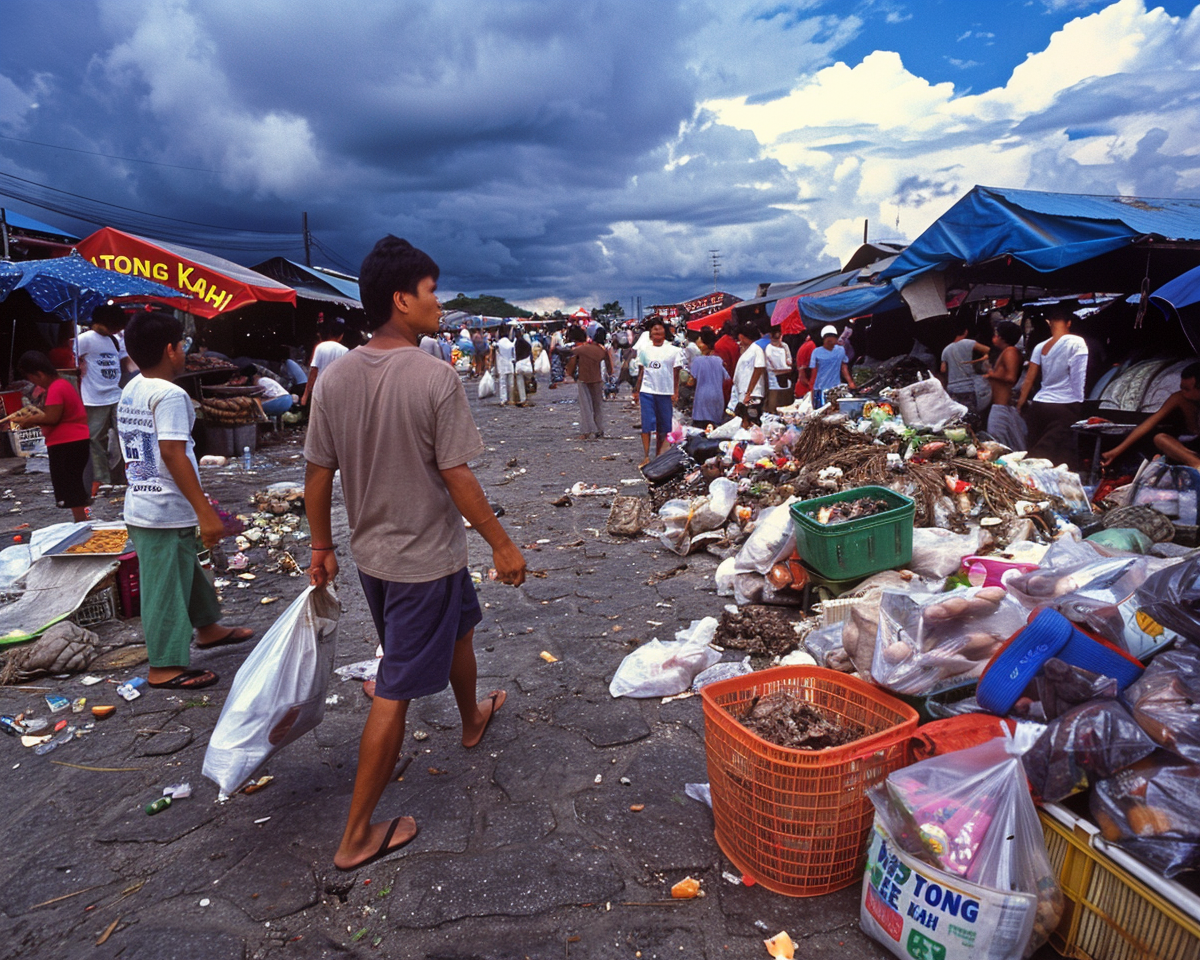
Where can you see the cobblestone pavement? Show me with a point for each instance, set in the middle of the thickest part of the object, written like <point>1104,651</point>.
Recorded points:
<point>528,846</point>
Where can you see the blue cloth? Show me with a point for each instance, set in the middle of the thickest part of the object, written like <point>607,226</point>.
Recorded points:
<point>418,625</point>
<point>828,364</point>
<point>277,406</point>
<point>296,372</point>
<point>656,412</point>
<point>709,401</point>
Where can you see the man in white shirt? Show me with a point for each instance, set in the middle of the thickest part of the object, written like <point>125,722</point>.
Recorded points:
<point>102,358</point>
<point>328,350</point>
<point>1061,361</point>
<point>750,374</point>
<point>657,386</point>
<point>504,360</point>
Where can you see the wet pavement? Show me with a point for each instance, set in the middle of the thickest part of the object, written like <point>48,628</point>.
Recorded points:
<point>528,845</point>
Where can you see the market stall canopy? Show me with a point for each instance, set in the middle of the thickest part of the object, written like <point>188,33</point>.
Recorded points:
<point>714,320</point>
<point>22,224</point>
<point>218,285</point>
<point>1045,231</point>
<point>25,237</point>
<point>71,287</point>
<point>312,283</point>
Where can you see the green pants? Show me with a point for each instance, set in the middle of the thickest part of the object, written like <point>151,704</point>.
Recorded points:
<point>176,594</point>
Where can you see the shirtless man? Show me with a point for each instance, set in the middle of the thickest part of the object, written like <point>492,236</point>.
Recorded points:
<point>1182,412</point>
<point>1004,423</point>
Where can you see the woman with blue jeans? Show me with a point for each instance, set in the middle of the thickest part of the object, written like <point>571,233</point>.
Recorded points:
<point>276,401</point>
<point>657,386</point>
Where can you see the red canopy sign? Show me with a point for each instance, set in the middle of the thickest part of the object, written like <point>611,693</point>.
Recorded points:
<point>217,285</point>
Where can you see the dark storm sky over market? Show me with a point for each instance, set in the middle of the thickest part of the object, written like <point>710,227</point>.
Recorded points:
<point>566,152</point>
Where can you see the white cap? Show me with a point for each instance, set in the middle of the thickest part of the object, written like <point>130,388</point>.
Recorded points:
<point>828,331</point>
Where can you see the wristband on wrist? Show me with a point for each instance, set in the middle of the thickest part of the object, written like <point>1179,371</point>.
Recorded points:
<point>332,546</point>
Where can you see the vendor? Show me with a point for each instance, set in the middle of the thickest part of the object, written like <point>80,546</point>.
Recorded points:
<point>276,401</point>
<point>750,373</point>
<point>1062,363</point>
<point>1175,425</point>
<point>64,423</point>
<point>829,365</point>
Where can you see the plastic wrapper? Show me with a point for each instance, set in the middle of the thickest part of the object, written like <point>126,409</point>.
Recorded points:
<point>1171,597</point>
<point>1151,810</point>
<point>825,645</point>
<point>969,814</point>
<point>683,519</point>
<point>1171,490</point>
<point>1062,685</point>
<point>663,669</point>
<point>722,670</point>
<point>1165,701</point>
<point>929,641</point>
<point>939,553</point>
<point>1085,744</point>
<point>773,539</point>
<point>278,694</point>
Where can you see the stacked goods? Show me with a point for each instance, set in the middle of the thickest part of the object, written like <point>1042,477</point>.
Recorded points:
<point>231,411</point>
<point>197,362</point>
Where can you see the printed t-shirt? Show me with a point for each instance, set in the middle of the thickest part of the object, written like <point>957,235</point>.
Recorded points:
<point>1064,370</point>
<point>828,364</point>
<point>101,361</point>
<point>803,355</point>
<point>659,364</point>
<point>152,410</point>
<point>404,526</point>
<point>588,360</point>
<point>73,425</point>
<point>778,358</point>
<point>960,372</point>
<point>752,357</point>
<point>327,351</point>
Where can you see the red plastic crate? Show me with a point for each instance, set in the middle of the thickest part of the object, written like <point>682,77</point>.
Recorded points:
<point>127,585</point>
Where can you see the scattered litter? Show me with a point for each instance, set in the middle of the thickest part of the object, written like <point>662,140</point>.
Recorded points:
<point>89,680</point>
<point>549,657</point>
<point>362,670</point>
<point>781,946</point>
<point>686,889</point>
<point>255,785</point>
<point>331,700</point>
<point>420,735</point>
<point>261,820</point>
<point>178,791</point>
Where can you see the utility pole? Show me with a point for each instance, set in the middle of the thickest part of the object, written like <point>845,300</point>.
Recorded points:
<point>715,257</point>
<point>865,224</point>
<point>307,243</point>
<point>4,234</point>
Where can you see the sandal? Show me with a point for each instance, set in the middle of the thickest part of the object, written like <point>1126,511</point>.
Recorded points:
<point>188,680</point>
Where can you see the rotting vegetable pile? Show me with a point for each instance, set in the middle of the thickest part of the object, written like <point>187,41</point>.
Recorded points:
<point>786,719</point>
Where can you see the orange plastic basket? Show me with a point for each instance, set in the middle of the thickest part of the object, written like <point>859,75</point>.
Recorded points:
<point>797,820</point>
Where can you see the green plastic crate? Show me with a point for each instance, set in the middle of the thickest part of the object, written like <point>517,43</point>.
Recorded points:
<point>856,548</point>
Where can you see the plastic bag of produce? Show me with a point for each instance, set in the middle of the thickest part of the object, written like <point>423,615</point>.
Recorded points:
<point>958,860</point>
<point>928,641</point>
<point>1085,744</point>
<point>278,694</point>
<point>773,539</point>
<point>658,669</point>
<point>1151,810</point>
<point>1164,702</point>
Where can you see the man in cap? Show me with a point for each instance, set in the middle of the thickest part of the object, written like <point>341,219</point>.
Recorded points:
<point>829,364</point>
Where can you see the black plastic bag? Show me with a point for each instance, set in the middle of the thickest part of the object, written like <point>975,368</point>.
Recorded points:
<point>1172,597</point>
<point>1062,686</point>
<point>667,466</point>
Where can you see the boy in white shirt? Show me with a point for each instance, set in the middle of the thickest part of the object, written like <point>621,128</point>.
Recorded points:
<point>164,504</point>
<point>328,350</point>
<point>102,359</point>
<point>657,386</point>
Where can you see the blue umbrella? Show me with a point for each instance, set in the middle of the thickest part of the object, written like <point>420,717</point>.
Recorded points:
<point>1176,294</point>
<point>72,287</point>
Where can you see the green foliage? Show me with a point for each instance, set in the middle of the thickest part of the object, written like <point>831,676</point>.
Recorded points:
<point>609,311</point>
<point>485,305</point>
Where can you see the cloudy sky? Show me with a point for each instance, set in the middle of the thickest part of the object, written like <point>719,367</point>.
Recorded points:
<point>568,152</point>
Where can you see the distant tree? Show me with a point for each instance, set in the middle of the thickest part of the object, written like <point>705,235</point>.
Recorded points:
<point>609,311</point>
<point>486,305</point>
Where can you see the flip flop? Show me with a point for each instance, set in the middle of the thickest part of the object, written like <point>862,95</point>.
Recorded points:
<point>384,850</point>
<point>188,680</point>
<point>235,635</point>
<point>495,695</point>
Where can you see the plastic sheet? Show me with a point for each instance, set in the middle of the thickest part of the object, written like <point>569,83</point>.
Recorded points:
<point>663,669</point>
<point>278,694</point>
<point>969,813</point>
<point>939,553</point>
<point>1171,490</point>
<point>1087,743</point>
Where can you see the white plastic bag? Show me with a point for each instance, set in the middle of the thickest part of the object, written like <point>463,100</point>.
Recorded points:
<point>684,519</point>
<point>658,669</point>
<point>773,539</point>
<point>487,385</point>
<point>541,366</point>
<point>279,691</point>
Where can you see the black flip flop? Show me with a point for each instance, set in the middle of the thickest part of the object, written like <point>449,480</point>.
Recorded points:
<point>188,680</point>
<point>488,722</point>
<point>230,639</point>
<point>384,850</point>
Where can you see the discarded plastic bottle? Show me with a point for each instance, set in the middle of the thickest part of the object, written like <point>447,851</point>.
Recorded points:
<point>65,737</point>
<point>157,806</point>
<point>245,458</point>
<point>131,689</point>
<point>10,726</point>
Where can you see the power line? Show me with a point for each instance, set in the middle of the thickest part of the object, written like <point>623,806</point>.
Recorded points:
<point>106,156</point>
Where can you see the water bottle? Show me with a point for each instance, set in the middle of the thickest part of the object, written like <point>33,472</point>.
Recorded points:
<point>245,458</point>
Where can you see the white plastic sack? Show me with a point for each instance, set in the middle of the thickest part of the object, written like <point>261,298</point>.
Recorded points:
<point>541,366</point>
<point>773,539</point>
<point>487,385</point>
<point>938,552</point>
<point>658,669</point>
<point>683,520</point>
<point>278,694</point>
<point>926,405</point>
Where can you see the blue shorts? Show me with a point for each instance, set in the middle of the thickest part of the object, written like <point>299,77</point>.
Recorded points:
<point>656,412</point>
<point>418,625</point>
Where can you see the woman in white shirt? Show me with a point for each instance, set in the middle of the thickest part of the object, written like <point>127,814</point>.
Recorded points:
<point>779,371</point>
<point>1061,362</point>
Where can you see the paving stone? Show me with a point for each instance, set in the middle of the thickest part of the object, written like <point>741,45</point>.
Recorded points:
<point>505,824</point>
<point>605,724</point>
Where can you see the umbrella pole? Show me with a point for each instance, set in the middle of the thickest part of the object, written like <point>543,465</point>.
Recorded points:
<point>12,348</point>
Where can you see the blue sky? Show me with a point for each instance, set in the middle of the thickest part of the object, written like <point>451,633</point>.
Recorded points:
<point>571,152</point>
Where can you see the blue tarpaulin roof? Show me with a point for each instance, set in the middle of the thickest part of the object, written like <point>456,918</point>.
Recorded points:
<point>19,222</point>
<point>1046,231</point>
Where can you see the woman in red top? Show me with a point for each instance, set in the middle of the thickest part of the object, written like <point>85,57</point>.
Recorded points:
<point>64,424</point>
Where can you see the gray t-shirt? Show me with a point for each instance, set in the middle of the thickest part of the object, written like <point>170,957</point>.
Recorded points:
<point>960,372</point>
<point>390,420</point>
<point>152,410</point>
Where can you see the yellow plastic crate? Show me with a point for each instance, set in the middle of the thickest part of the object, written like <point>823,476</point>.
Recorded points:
<point>1112,913</point>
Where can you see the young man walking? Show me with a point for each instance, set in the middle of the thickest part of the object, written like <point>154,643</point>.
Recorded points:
<point>407,488</point>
